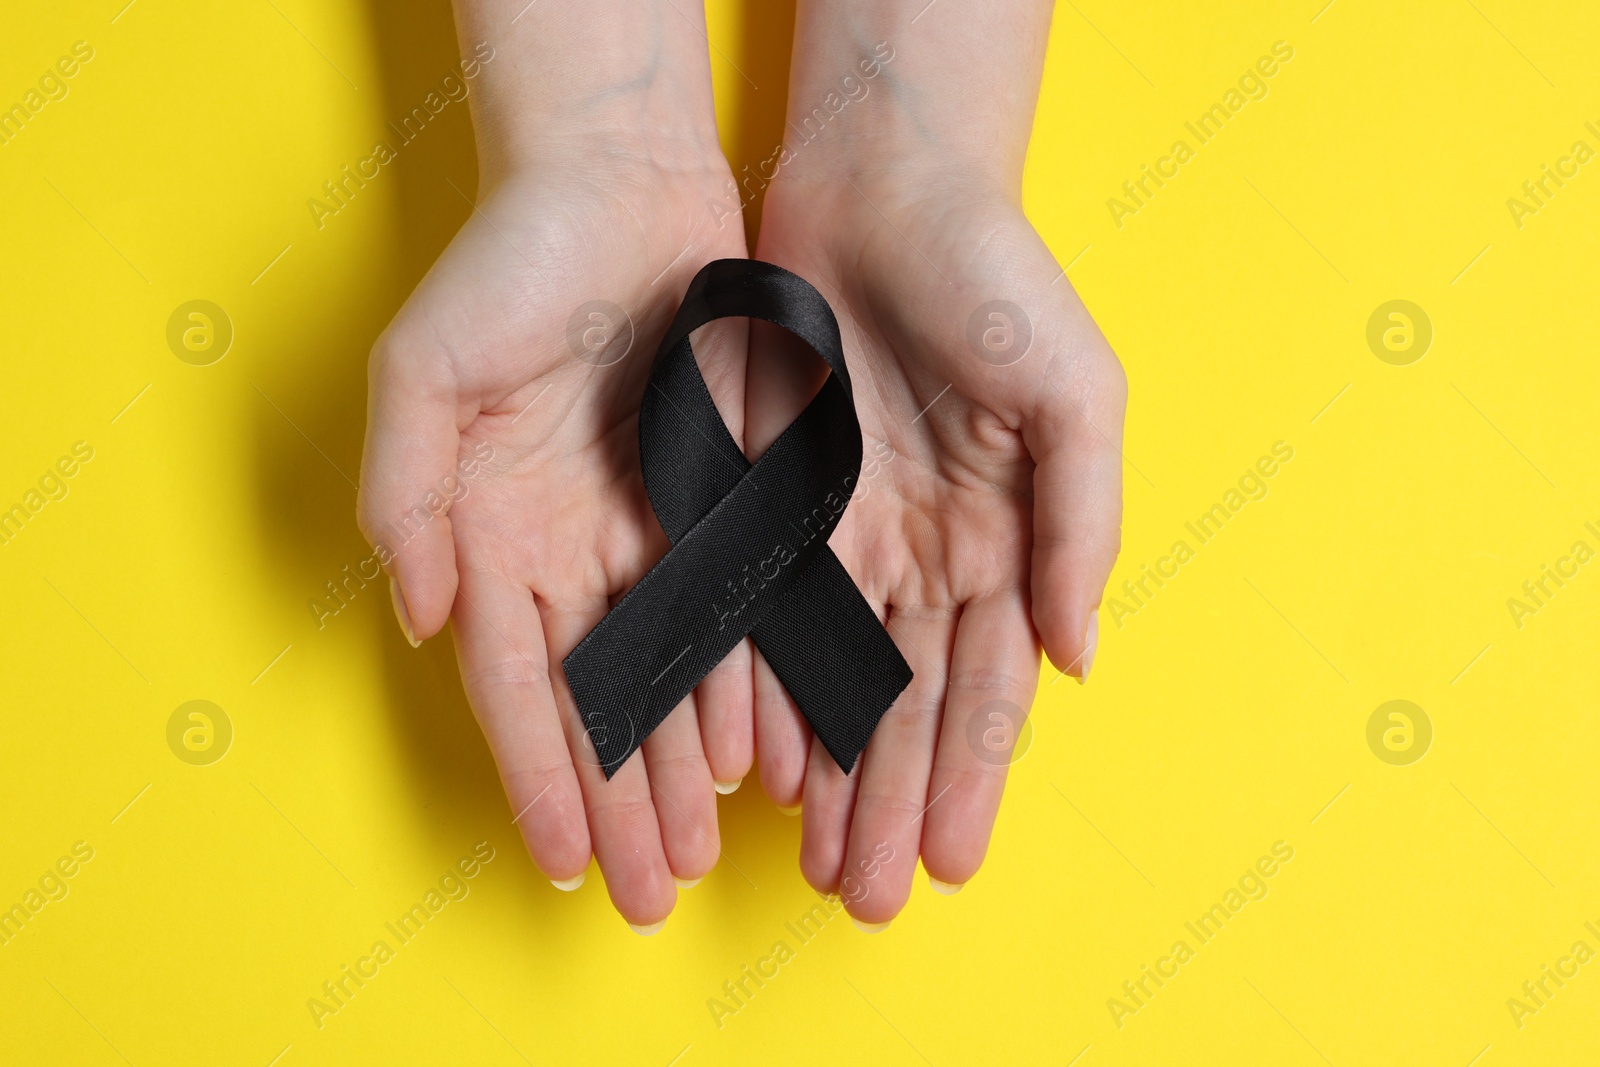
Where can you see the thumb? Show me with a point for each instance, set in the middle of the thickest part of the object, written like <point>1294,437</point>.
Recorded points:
<point>1075,438</point>
<point>408,478</point>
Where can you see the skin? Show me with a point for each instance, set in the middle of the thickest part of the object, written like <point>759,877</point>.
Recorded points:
<point>993,527</point>
<point>987,519</point>
<point>603,197</point>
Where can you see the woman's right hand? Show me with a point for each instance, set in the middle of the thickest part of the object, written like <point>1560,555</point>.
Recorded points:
<point>529,343</point>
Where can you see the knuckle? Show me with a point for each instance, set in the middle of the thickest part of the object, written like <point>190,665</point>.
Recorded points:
<point>630,815</point>
<point>988,679</point>
<point>900,807</point>
<point>915,711</point>
<point>678,765</point>
<point>505,672</point>
<point>543,778</point>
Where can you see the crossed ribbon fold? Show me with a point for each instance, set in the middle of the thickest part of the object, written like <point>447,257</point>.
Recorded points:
<point>749,543</point>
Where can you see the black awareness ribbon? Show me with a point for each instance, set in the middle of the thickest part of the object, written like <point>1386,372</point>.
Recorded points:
<point>749,548</point>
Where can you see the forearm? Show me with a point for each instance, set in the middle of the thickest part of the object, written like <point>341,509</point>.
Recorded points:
<point>572,81</point>
<point>949,86</point>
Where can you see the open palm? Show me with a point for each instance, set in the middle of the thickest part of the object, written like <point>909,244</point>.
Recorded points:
<point>529,343</point>
<point>985,523</point>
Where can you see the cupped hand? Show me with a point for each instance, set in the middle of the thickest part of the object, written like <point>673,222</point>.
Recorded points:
<point>501,483</point>
<point>985,522</point>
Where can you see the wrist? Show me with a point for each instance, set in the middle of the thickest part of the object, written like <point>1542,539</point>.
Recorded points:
<point>603,152</point>
<point>911,93</point>
<point>626,82</point>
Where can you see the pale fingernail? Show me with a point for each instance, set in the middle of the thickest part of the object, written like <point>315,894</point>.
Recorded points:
<point>686,883</point>
<point>949,889</point>
<point>402,614</point>
<point>791,811</point>
<point>870,928</point>
<point>727,787</point>
<point>1090,640</point>
<point>646,931</point>
<point>567,885</point>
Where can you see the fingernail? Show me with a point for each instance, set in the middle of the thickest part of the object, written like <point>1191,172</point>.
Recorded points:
<point>646,931</point>
<point>1090,640</point>
<point>402,614</point>
<point>727,787</point>
<point>791,811</point>
<point>870,928</point>
<point>567,885</point>
<point>687,883</point>
<point>949,889</point>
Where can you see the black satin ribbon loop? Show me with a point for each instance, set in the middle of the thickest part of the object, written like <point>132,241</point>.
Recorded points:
<point>749,543</point>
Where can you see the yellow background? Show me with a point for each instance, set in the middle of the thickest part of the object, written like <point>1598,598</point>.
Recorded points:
<point>1229,713</point>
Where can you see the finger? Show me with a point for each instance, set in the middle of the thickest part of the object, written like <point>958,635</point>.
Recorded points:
<point>725,701</point>
<point>893,798</point>
<point>830,800</point>
<point>783,375</point>
<point>1075,437</point>
<point>409,454</point>
<point>500,645</point>
<point>994,671</point>
<point>783,737</point>
<point>623,827</point>
<point>686,803</point>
